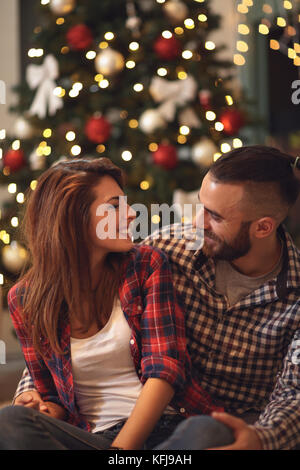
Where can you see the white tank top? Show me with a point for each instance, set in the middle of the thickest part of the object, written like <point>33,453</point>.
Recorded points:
<point>105,381</point>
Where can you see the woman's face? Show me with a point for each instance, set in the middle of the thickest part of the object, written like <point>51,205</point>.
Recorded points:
<point>110,217</point>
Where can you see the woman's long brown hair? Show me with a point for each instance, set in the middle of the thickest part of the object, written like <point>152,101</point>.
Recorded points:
<point>55,227</point>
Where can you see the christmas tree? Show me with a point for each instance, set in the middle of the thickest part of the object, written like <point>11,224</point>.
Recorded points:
<point>138,82</point>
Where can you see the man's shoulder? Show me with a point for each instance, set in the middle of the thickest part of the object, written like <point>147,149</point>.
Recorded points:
<point>177,241</point>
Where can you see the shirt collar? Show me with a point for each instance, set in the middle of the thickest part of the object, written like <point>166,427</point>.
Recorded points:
<point>288,278</point>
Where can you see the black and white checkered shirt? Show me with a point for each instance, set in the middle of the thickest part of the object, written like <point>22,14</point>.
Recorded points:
<point>246,355</point>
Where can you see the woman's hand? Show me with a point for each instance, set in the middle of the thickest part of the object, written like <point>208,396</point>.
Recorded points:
<point>32,399</point>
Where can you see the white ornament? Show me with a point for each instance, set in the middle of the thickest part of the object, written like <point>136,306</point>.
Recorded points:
<point>14,257</point>
<point>37,161</point>
<point>172,93</point>
<point>203,152</point>
<point>133,23</point>
<point>23,129</point>
<point>109,62</point>
<point>151,120</point>
<point>42,77</point>
<point>176,10</point>
<point>62,7</point>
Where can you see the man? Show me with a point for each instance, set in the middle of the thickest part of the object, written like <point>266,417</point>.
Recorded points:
<point>240,293</point>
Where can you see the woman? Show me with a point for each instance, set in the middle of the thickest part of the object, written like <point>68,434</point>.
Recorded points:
<point>101,331</point>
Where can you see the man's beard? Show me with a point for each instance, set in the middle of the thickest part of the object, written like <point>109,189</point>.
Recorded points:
<point>239,247</point>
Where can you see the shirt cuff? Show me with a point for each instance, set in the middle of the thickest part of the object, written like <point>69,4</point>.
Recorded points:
<point>267,437</point>
<point>166,368</point>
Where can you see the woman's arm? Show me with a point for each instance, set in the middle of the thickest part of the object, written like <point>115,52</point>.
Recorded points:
<point>154,397</point>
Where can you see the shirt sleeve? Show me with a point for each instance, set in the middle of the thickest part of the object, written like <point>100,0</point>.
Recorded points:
<point>25,385</point>
<point>162,325</point>
<point>37,375</point>
<point>278,427</point>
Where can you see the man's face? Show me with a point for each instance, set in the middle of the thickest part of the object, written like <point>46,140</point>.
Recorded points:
<point>226,225</point>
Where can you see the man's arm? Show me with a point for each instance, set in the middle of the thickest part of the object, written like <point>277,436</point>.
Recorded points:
<point>278,427</point>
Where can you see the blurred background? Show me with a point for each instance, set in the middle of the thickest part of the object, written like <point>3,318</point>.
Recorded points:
<point>162,87</point>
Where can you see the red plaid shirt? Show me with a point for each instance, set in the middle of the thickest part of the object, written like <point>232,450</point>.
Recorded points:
<point>158,343</point>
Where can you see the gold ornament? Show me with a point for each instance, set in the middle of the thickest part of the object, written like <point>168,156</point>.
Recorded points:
<point>109,62</point>
<point>176,10</point>
<point>203,152</point>
<point>62,7</point>
<point>14,257</point>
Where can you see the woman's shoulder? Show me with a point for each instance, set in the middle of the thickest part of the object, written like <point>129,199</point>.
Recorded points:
<point>145,259</point>
<point>15,295</point>
<point>142,252</point>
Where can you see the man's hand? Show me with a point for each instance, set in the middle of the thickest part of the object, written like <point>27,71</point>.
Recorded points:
<point>245,436</point>
<point>32,399</point>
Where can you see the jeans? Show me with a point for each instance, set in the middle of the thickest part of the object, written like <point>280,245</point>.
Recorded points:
<point>23,428</point>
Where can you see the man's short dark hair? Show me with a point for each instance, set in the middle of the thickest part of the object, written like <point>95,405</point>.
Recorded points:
<point>256,165</point>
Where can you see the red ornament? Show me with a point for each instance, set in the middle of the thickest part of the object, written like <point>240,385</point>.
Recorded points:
<point>14,159</point>
<point>79,37</point>
<point>205,99</point>
<point>98,129</point>
<point>166,156</point>
<point>232,120</point>
<point>167,48</point>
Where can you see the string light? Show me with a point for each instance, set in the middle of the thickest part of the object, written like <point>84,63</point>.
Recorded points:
<point>155,219</point>
<point>153,147</point>
<point>219,126</point>
<point>109,36</point>
<point>210,115</point>
<point>35,52</point>
<point>210,45</point>
<point>16,145</point>
<point>70,136</point>
<point>184,130</point>
<point>59,91</point>
<point>202,18</point>
<point>14,222</point>
<point>189,23</point>
<point>138,87</point>
<point>225,147</point>
<point>167,34</point>
<point>229,100</point>
<point>134,46</point>
<point>126,155</point>
<point>76,150</point>
<point>104,83</point>
<point>187,54</point>
<point>33,184</point>
<point>12,188</point>
<point>100,148</point>
<point>130,64</point>
<point>90,55</point>
<point>162,72</point>
<point>178,30</point>
<point>236,143</point>
<point>47,133</point>
<point>2,134</point>
<point>20,198</point>
<point>144,185</point>
<point>133,123</point>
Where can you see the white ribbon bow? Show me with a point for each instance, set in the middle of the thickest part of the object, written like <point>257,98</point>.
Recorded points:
<point>42,77</point>
<point>173,94</point>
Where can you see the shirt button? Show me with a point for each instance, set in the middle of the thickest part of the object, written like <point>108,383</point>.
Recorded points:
<point>139,307</point>
<point>132,341</point>
<point>182,410</point>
